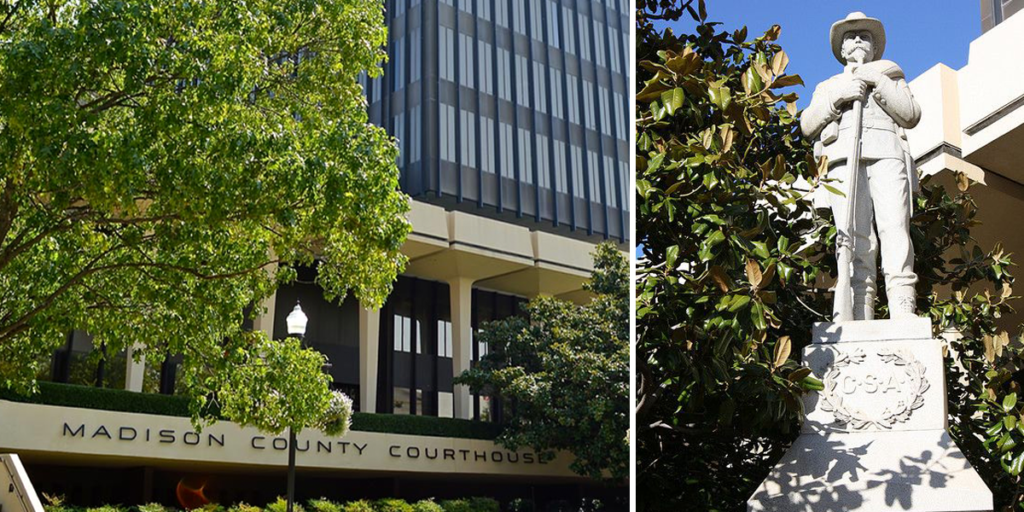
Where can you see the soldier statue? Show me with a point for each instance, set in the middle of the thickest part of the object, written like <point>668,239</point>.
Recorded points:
<point>857,119</point>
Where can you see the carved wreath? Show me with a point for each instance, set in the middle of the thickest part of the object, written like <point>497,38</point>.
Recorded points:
<point>857,419</point>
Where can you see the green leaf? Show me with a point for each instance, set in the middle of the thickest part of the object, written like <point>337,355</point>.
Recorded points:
<point>672,99</point>
<point>721,96</point>
<point>1009,401</point>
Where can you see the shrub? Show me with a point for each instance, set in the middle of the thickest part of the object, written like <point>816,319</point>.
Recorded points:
<point>480,504</point>
<point>154,507</point>
<point>357,506</point>
<point>243,507</point>
<point>521,505</point>
<point>428,505</point>
<point>323,505</point>
<point>392,505</point>
<point>107,508</point>
<point>456,506</point>
<point>281,505</point>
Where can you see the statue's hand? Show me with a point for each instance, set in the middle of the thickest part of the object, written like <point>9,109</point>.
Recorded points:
<point>848,89</point>
<point>870,75</point>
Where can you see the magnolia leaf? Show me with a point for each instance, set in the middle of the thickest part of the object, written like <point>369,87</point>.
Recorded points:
<point>720,278</point>
<point>786,81</point>
<point>782,350</point>
<point>962,182</point>
<point>779,62</point>
<point>754,275</point>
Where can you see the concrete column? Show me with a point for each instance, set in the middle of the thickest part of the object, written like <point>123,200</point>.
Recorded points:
<point>134,371</point>
<point>461,296</point>
<point>369,351</point>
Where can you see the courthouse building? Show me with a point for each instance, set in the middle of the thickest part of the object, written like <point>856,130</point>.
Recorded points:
<point>972,121</point>
<point>512,119</point>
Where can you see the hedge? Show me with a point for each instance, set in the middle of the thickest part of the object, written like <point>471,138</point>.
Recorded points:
<point>476,504</point>
<point>86,397</point>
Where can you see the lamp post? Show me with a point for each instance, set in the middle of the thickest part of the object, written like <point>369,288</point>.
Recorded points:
<point>296,321</point>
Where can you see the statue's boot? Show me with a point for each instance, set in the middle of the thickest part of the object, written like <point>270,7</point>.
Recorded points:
<point>902,302</point>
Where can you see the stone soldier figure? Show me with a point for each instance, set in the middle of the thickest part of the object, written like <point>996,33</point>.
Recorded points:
<point>886,179</point>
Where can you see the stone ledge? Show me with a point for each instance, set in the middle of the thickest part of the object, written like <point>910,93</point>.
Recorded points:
<point>919,328</point>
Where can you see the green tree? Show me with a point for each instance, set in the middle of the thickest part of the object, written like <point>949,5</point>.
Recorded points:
<point>736,266</point>
<point>166,164</point>
<point>563,372</point>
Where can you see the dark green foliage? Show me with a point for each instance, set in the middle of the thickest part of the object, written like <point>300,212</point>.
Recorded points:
<point>66,395</point>
<point>323,505</point>
<point>736,267</point>
<point>428,505</point>
<point>392,505</point>
<point>564,372</point>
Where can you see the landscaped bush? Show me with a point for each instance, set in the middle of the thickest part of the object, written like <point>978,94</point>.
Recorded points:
<point>358,506</point>
<point>157,507</point>
<point>281,505</point>
<point>456,506</point>
<point>428,505</point>
<point>521,505</point>
<point>323,505</point>
<point>392,505</point>
<point>241,507</point>
<point>479,504</point>
<point>85,397</point>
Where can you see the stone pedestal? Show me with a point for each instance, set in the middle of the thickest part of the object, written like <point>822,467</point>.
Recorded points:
<point>875,438</point>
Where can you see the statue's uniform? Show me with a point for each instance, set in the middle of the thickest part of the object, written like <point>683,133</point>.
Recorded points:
<point>885,186</point>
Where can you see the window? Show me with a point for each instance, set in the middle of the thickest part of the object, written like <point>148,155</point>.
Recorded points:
<point>403,333</point>
<point>577,172</point>
<point>594,166</point>
<point>588,104</point>
<point>525,156</point>
<point>584,37</point>
<point>465,6</point>
<point>487,145</point>
<point>486,69</point>
<point>613,46</point>
<point>504,75</point>
<point>501,13</point>
<point>574,100</point>
<point>519,17</point>
<point>536,20</point>
<point>446,118</point>
<point>624,189</point>
<point>522,81</point>
<point>606,125</point>
<point>570,36</point>
<point>416,61</point>
<point>444,338</point>
<point>540,96</point>
<point>556,94</point>
<point>483,9</point>
<point>599,43</point>
<point>415,134</point>
<point>399,131</point>
<point>543,167</point>
<point>560,170</point>
<point>620,119</point>
<point>446,54</point>
<point>398,64</point>
<point>466,71</point>
<point>609,181</point>
<point>507,162</point>
<point>468,138</point>
<point>553,24</point>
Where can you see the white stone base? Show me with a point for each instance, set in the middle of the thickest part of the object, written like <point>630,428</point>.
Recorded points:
<point>911,470</point>
<point>874,439</point>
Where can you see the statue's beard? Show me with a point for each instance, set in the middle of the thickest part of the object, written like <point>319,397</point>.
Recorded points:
<point>858,54</point>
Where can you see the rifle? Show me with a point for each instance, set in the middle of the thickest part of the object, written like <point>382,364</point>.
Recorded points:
<point>842,310</point>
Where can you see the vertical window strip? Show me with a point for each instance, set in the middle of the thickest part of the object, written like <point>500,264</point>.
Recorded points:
<point>560,171</point>
<point>553,34</point>
<point>613,47</point>
<point>595,176</point>
<point>486,68</point>
<point>487,145</point>
<point>501,13</point>
<point>399,123</point>
<point>574,100</point>
<point>609,181</point>
<point>504,75</point>
<point>507,161</point>
<point>416,134</point>
<point>543,169</point>
<point>522,81</point>
<point>446,54</point>
<point>570,36</point>
<point>536,20</point>
<point>606,127</point>
<point>540,98</point>
<point>525,155</point>
<point>599,43</point>
<point>519,17</point>
<point>620,116</point>
<point>556,94</point>
<point>416,61</point>
<point>468,138</point>
<point>584,40</point>
<point>483,9</point>
<point>466,60</point>
<point>577,172</point>
<point>588,104</point>
<point>399,64</point>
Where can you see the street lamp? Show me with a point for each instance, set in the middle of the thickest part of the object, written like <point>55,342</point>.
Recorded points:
<point>296,321</point>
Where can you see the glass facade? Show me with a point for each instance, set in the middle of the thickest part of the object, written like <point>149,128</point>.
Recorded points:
<point>512,109</point>
<point>415,363</point>
<point>993,12</point>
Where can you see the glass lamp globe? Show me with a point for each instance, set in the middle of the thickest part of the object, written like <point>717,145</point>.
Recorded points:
<point>297,321</point>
